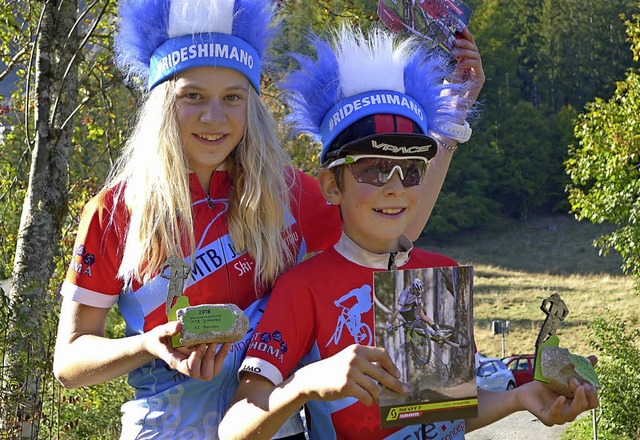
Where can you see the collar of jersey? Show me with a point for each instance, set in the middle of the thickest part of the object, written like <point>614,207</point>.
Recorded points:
<point>219,186</point>
<point>354,253</point>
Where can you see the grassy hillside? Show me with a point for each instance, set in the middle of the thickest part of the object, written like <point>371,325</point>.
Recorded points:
<point>518,264</point>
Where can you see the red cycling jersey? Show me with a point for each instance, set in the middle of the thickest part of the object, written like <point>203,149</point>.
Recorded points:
<point>168,404</point>
<point>300,326</point>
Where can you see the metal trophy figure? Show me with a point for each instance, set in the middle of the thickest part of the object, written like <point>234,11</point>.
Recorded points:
<point>178,272</point>
<point>556,310</point>
<point>204,323</point>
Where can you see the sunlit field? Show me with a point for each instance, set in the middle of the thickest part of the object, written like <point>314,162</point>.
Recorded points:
<point>517,265</point>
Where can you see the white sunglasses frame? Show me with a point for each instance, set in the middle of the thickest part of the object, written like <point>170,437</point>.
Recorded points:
<point>346,160</point>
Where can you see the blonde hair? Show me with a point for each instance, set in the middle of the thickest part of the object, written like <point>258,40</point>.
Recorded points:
<point>259,200</point>
<point>155,172</point>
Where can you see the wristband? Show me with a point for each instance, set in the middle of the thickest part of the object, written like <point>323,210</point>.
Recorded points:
<point>460,133</point>
<point>447,147</point>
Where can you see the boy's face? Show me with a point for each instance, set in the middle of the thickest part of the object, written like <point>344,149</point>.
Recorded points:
<point>373,216</point>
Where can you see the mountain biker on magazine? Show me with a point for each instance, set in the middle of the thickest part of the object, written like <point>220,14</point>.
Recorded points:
<point>410,305</point>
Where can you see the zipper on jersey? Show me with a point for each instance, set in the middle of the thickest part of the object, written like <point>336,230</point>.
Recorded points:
<point>392,261</point>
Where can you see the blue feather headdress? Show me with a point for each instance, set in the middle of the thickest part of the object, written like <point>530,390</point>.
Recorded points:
<point>158,38</point>
<point>358,76</point>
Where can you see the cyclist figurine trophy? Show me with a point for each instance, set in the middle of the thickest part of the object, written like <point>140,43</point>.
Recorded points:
<point>556,366</point>
<point>204,323</point>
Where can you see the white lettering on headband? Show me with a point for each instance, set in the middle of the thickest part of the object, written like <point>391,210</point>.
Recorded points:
<point>188,51</point>
<point>356,107</point>
<point>205,50</point>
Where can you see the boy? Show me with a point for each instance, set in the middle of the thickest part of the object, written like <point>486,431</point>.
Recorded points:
<point>375,154</point>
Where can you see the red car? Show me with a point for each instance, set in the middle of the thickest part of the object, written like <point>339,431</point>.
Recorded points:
<point>521,365</point>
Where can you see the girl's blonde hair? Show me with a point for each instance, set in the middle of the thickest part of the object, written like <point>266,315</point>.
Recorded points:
<point>155,172</point>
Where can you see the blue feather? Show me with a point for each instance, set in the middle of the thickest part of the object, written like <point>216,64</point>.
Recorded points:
<point>424,78</point>
<point>254,23</point>
<point>143,27</point>
<point>313,88</point>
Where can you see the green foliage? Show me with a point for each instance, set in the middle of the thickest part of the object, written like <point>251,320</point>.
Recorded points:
<point>98,133</point>
<point>579,66</point>
<point>512,166</point>
<point>605,167</point>
<point>12,192</point>
<point>633,34</point>
<point>542,60</point>
<point>560,61</point>
<point>15,43</point>
<point>527,150</point>
<point>582,429</point>
<point>88,412</point>
<point>618,368</point>
<point>464,212</point>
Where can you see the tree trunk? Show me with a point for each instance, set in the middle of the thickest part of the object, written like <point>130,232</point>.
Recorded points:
<point>31,330</point>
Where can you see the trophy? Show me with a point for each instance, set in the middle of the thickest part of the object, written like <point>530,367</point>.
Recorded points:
<point>201,324</point>
<point>556,366</point>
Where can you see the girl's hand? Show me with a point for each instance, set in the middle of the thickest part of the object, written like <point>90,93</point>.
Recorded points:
<point>203,361</point>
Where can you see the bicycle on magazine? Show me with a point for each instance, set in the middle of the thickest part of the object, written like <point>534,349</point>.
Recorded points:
<point>419,335</point>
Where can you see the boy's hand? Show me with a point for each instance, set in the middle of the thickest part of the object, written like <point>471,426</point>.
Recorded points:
<point>203,361</point>
<point>469,66</point>
<point>354,372</point>
<point>554,409</point>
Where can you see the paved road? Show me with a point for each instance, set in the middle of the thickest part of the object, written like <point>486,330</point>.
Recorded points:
<point>519,426</point>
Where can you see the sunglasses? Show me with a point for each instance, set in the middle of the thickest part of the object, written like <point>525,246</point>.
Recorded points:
<point>377,170</point>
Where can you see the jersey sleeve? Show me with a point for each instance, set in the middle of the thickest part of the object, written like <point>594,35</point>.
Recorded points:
<point>285,333</point>
<point>320,223</point>
<point>92,277</point>
<point>431,259</point>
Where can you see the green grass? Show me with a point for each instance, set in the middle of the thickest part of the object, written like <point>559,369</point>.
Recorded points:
<point>518,264</point>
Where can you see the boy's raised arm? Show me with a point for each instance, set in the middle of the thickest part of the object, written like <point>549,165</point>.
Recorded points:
<point>468,69</point>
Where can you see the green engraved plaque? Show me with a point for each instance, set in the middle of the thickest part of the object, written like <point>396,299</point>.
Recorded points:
<point>198,320</point>
<point>209,323</point>
<point>585,369</point>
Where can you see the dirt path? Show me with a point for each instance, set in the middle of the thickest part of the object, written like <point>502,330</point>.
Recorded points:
<point>518,426</point>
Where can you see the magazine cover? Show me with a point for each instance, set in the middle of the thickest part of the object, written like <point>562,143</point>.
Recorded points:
<point>424,319</point>
<point>436,21</point>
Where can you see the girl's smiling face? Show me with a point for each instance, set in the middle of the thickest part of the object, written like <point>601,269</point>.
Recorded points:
<point>211,109</point>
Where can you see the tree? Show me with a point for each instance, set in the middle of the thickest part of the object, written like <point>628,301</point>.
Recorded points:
<point>543,60</point>
<point>45,204</point>
<point>604,166</point>
<point>619,361</point>
<point>63,111</point>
